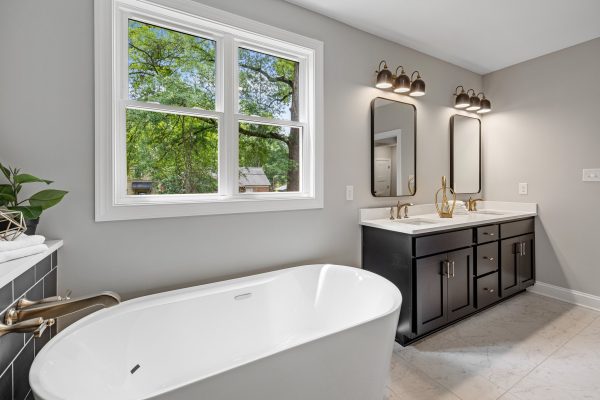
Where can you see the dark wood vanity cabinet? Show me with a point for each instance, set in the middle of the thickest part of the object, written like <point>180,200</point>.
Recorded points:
<point>444,289</point>
<point>517,267</point>
<point>446,276</point>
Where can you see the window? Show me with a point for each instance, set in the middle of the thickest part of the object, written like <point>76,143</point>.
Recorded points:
<point>199,112</point>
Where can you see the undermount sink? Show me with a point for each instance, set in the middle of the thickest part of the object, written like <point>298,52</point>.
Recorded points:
<point>489,212</point>
<point>415,221</point>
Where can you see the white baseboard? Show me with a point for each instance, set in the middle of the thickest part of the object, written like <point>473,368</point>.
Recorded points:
<point>568,295</point>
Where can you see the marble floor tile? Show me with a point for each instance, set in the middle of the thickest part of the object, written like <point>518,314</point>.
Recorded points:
<point>486,355</point>
<point>409,383</point>
<point>571,373</point>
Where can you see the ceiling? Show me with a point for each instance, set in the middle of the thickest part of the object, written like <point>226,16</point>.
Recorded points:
<point>482,35</point>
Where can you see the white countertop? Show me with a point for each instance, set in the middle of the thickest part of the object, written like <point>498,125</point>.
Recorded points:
<point>506,211</point>
<point>11,269</point>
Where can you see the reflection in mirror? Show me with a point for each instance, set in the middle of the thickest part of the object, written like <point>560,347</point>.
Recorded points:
<point>393,148</point>
<point>465,154</point>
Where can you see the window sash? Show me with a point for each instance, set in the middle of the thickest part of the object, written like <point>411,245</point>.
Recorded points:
<point>226,112</point>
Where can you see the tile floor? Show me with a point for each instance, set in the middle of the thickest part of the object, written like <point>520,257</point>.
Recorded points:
<point>528,348</point>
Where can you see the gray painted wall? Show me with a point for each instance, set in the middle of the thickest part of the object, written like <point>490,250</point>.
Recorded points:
<point>544,129</point>
<point>47,127</point>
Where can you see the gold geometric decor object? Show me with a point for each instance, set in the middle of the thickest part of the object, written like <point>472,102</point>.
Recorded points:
<point>443,207</point>
<point>12,224</point>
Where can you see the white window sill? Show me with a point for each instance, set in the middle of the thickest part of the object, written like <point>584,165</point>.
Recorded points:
<point>144,207</point>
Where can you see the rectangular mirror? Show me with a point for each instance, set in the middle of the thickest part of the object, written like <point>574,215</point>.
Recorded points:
<point>393,148</point>
<point>465,154</point>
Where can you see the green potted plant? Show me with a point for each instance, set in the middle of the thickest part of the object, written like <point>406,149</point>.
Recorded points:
<point>31,207</point>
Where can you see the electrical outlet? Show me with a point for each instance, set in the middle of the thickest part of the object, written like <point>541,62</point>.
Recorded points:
<point>523,188</point>
<point>591,175</point>
<point>349,193</point>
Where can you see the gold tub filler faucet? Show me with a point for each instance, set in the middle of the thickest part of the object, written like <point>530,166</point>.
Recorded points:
<point>443,207</point>
<point>36,316</point>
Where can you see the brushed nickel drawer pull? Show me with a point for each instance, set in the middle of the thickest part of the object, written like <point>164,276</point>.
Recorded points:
<point>453,271</point>
<point>488,233</point>
<point>488,258</point>
<point>489,290</point>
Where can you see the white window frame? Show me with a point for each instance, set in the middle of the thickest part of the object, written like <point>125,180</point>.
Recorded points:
<point>229,31</point>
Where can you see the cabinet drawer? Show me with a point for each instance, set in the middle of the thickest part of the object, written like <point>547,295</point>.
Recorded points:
<point>487,290</point>
<point>487,233</point>
<point>516,228</point>
<point>487,258</point>
<point>426,245</point>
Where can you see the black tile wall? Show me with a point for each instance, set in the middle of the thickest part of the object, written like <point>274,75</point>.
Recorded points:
<point>6,384</point>
<point>17,350</point>
<point>21,367</point>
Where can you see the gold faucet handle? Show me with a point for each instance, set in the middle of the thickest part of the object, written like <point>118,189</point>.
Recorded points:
<point>25,302</point>
<point>45,324</point>
<point>31,325</point>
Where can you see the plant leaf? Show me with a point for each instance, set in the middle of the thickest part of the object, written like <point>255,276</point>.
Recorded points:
<point>5,171</point>
<point>27,178</point>
<point>5,188</point>
<point>29,212</point>
<point>6,197</point>
<point>47,198</point>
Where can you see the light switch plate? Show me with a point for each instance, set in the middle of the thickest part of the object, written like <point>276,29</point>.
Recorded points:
<point>349,193</point>
<point>523,188</point>
<point>591,175</point>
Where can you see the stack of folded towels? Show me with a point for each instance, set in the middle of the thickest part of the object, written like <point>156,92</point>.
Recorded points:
<point>22,246</point>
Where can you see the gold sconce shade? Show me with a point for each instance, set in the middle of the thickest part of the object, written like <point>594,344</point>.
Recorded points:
<point>384,76</point>
<point>417,87</point>
<point>402,81</point>
<point>462,98</point>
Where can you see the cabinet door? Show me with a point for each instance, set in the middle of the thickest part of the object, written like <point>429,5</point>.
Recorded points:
<point>431,290</point>
<point>460,284</point>
<point>526,261</point>
<point>509,266</point>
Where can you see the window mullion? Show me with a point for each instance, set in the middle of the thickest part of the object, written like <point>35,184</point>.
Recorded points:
<point>227,137</point>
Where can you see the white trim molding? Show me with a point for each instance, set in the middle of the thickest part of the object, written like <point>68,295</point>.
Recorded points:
<point>229,31</point>
<point>566,295</point>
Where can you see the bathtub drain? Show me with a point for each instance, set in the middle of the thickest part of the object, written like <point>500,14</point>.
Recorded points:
<point>134,369</point>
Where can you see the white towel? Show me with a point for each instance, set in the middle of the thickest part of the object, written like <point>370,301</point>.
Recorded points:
<point>23,252</point>
<point>21,242</point>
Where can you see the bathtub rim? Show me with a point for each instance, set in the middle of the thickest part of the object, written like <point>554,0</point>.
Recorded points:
<point>187,293</point>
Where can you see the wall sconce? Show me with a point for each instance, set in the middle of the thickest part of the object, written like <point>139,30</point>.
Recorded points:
<point>474,102</point>
<point>399,82</point>
<point>486,105</point>
<point>471,102</point>
<point>417,87</point>
<point>384,77</point>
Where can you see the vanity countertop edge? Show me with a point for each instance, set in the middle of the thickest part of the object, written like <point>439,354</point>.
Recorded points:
<point>379,217</point>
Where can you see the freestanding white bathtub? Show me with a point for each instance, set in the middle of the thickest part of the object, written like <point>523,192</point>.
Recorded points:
<point>314,332</point>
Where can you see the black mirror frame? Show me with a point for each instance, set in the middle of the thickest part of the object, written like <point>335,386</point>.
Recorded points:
<point>373,146</point>
<point>452,151</point>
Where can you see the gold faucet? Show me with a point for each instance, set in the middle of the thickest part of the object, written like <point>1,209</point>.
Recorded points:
<point>472,204</point>
<point>58,308</point>
<point>399,208</point>
<point>35,325</point>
